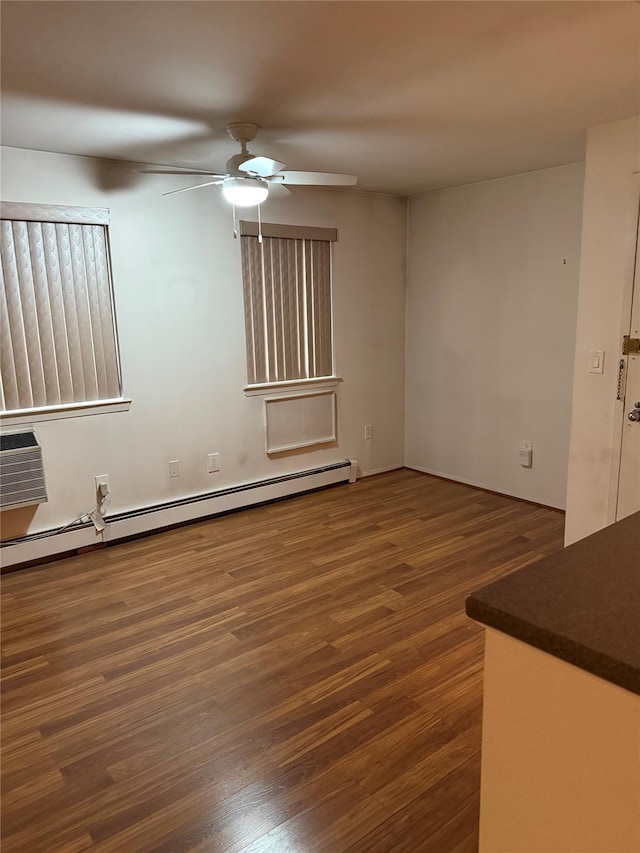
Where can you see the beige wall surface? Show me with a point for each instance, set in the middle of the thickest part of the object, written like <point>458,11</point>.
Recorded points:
<point>611,194</point>
<point>491,308</point>
<point>178,292</point>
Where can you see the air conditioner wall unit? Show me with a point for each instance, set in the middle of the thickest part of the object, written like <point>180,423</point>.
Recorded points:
<point>22,481</point>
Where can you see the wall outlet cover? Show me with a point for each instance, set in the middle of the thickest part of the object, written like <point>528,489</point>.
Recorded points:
<point>102,480</point>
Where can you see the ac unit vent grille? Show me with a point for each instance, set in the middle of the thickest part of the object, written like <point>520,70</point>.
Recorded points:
<point>22,480</point>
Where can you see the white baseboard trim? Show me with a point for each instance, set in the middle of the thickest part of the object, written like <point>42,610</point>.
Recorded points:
<point>44,545</point>
<point>484,486</point>
<point>40,546</point>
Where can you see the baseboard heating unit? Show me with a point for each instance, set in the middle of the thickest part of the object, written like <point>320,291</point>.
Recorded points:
<point>134,522</point>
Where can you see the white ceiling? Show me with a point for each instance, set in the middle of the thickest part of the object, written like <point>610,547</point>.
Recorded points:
<point>409,96</point>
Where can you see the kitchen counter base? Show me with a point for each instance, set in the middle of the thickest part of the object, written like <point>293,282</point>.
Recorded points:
<point>560,756</point>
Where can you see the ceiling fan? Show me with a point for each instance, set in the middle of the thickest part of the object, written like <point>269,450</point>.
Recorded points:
<point>247,179</point>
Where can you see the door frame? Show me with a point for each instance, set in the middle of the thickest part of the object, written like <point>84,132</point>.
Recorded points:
<point>625,328</point>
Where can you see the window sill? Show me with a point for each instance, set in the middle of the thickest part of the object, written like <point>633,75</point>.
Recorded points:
<point>18,417</point>
<point>301,385</point>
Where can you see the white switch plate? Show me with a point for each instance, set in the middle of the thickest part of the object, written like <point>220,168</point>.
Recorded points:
<point>368,432</point>
<point>213,462</point>
<point>174,468</point>
<point>596,361</point>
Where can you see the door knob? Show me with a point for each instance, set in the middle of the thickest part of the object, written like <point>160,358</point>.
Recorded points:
<point>635,414</point>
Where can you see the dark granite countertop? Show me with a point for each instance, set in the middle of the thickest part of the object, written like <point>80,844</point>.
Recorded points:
<point>581,605</point>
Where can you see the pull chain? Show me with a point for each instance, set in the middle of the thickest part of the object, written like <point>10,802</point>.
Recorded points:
<point>235,224</point>
<point>259,226</point>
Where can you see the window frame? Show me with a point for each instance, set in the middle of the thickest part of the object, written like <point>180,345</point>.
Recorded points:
<point>294,232</point>
<point>65,214</point>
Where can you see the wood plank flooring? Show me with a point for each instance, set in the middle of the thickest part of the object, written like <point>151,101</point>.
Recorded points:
<point>295,678</point>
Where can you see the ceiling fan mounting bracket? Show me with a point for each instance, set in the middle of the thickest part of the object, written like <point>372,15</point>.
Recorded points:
<point>243,131</point>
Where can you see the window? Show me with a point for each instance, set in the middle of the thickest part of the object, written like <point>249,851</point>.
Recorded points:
<point>58,341</point>
<point>287,300</point>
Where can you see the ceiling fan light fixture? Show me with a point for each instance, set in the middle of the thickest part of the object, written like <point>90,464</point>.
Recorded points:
<point>245,192</point>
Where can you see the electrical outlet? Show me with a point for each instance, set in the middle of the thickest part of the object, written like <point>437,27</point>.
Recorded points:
<point>213,462</point>
<point>174,468</point>
<point>525,453</point>
<point>103,487</point>
<point>368,431</point>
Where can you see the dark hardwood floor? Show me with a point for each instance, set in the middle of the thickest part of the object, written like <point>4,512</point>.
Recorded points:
<point>295,678</point>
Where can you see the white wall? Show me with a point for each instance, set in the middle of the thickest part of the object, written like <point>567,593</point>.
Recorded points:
<point>178,290</point>
<point>491,308</point>
<point>606,278</point>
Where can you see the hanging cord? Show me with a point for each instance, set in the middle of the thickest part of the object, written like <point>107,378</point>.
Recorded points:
<point>94,515</point>
<point>235,224</point>
<point>259,226</point>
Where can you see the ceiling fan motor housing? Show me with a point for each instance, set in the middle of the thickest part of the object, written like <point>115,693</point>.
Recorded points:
<point>234,162</point>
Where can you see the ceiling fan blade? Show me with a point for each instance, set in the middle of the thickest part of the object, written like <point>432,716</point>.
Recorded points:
<point>277,190</point>
<point>182,172</point>
<point>261,166</point>
<point>195,187</point>
<point>314,179</point>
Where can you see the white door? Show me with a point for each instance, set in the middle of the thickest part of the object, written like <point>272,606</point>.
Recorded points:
<point>629,481</point>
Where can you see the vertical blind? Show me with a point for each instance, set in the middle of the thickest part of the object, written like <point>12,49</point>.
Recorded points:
<point>58,341</point>
<point>287,296</point>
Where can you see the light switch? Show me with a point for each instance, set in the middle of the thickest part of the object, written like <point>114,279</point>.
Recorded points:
<point>596,361</point>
